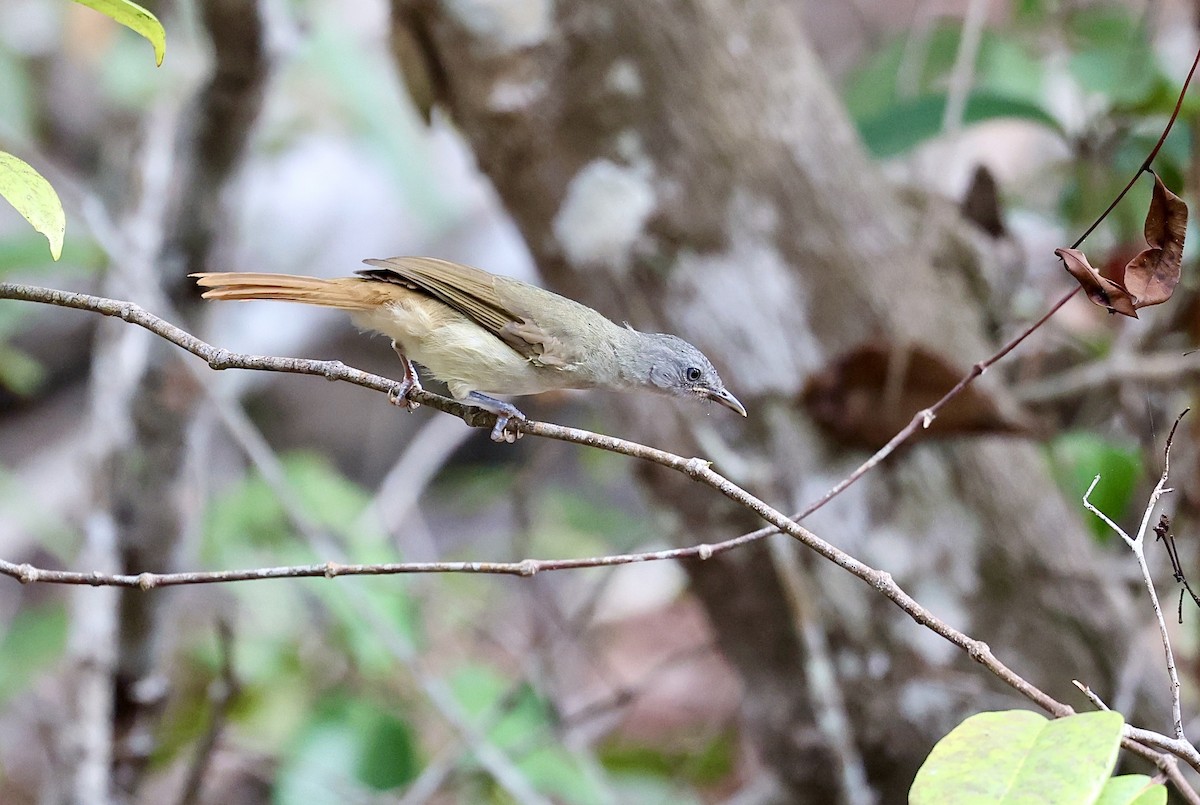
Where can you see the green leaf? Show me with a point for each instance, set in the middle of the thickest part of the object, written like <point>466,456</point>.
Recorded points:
<point>1007,67</point>
<point>1121,76</point>
<point>34,198</point>
<point>875,86</point>
<point>512,712</point>
<point>19,372</point>
<point>135,18</point>
<point>1132,789</point>
<point>908,68</point>
<point>1019,757</point>
<point>250,516</point>
<point>907,123</point>
<point>1033,9</point>
<point>518,721</point>
<point>35,639</point>
<point>389,757</point>
<point>703,765</point>
<point>17,95</point>
<point>552,770</point>
<point>1079,457</point>
<point>24,252</point>
<point>349,745</point>
<point>1111,54</point>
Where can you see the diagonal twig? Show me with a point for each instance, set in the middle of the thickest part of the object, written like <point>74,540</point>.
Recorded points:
<point>695,468</point>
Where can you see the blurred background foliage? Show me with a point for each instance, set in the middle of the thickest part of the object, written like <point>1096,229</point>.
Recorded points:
<point>600,686</point>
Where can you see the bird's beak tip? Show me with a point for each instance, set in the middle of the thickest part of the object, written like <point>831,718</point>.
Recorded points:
<point>728,400</point>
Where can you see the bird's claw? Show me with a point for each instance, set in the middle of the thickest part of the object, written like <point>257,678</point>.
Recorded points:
<point>398,394</point>
<point>507,416</point>
<point>505,429</point>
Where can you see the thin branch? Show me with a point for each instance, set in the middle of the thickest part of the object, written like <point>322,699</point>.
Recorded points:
<point>1092,697</point>
<point>1159,368</point>
<point>1140,552</point>
<point>1145,166</point>
<point>1179,747</point>
<point>492,758</point>
<point>824,691</point>
<point>27,573</point>
<point>223,692</point>
<point>1087,504</point>
<point>962,74</point>
<point>1139,742</point>
<point>1138,546</point>
<point>694,468</point>
<point>925,417</point>
<point>1162,532</point>
<point>425,454</point>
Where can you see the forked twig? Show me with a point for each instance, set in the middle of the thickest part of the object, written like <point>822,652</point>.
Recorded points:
<point>1137,544</point>
<point>695,468</point>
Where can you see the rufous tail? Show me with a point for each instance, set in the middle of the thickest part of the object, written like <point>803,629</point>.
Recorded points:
<point>347,293</point>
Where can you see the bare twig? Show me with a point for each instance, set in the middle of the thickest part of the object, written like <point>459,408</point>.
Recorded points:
<point>1137,741</point>
<point>223,692</point>
<point>1086,690</point>
<point>425,454</point>
<point>494,760</point>
<point>1160,368</point>
<point>695,468</point>
<point>1179,747</point>
<point>87,748</point>
<point>1137,544</point>
<point>962,74</point>
<point>1162,532</point>
<point>825,693</point>
<point>924,418</point>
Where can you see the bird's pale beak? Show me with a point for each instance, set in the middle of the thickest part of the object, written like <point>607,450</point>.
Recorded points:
<point>725,398</point>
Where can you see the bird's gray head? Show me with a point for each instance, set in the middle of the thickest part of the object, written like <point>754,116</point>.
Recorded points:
<point>669,365</point>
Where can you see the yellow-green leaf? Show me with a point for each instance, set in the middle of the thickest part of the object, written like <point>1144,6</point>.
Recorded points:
<point>34,198</point>
<point>1019,757</point>
<point>1132,789</point>
<point>137,19</point>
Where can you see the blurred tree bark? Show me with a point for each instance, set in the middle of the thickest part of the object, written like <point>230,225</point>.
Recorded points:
<point>144,405</point>
<point>686,165</point>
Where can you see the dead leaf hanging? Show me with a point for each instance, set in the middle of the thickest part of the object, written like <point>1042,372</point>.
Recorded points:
<point>1102,291</point>
<point>1152,275</point>
<point>859,401</point>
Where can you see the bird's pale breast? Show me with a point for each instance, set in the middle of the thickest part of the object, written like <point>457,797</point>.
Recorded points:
<point>456,350</point>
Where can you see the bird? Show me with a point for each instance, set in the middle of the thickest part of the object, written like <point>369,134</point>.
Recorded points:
<point>485,334</point>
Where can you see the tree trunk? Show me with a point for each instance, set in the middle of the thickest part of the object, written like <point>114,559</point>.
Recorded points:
<point>686,166</point>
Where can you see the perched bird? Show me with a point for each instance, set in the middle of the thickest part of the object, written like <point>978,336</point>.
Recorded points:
<point>484,334</point>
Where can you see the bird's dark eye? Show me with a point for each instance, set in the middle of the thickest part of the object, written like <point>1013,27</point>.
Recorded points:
<point>692,374</point>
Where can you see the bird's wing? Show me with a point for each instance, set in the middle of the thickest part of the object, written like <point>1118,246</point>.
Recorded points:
<point>475,294</point>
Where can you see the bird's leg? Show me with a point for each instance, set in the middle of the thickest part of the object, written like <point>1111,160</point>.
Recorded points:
<point>399,395</point>
<point>505,413</point>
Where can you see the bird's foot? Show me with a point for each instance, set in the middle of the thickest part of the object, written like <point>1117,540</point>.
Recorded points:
<point>507,415</point>
<point>399,394</point>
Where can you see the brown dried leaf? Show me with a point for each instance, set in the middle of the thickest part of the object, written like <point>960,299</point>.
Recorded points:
<point>1102,291</point>
<point>858,402</point>
<point>1154,273</point>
